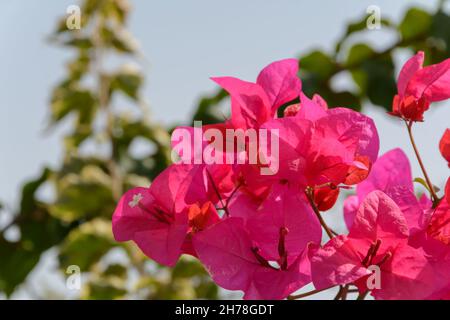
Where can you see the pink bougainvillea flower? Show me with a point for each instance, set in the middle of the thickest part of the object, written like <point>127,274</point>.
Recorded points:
<point>378,237</point>
<point>390,170</point>
<point>434,238</point>
<point>252,104</point>
<point>356,132</point>
<point>283,225</point>
<point>331,148</point>
<point>153,217</point>
<point>447,191</point>
<point>280,82</point>
<point>235,262</point>
<point>444,146</point>
<point>439,226</point>
<point>311,109</point>
<point>419,86</point>
<point>263,251</point>
<point>159,218</point>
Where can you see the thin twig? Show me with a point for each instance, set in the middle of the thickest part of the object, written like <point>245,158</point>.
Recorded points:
<point>362,296</point>
<point>419,159</point>
<point>224,207</point>
<point>307,294</point>
<point>233,193</point>
<point>310,196</point>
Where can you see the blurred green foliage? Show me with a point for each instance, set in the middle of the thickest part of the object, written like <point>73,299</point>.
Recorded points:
<point>87,185</point>
<point>100,99</point>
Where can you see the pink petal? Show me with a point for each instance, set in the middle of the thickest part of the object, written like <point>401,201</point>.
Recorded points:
<point>243,206</point>
<point>391,169</point>
<point>379,217</point>
<point>163,244</point>
<point>444,146</point>
<point>355,130</point>
<point>310,109</point>
<point>431,82</point>
<point>271,284</point>
<point>439,227</point>
<point>413,65</point>
<point>338,139</point>
<point>294,137</point>
<point>159,241</point>
<point>411,208</point>
<point>425,202</point>
<point>250,106</point>
<point>447,191</point>
<point>408,275</point>
<point>320,101</point>
<point>351,205</point>
<point>225,251</point>
<point>284,208</point>
<point>338,262</point>
<point>280,81</point>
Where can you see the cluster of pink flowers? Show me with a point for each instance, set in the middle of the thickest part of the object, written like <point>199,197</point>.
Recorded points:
<point>262,234</point>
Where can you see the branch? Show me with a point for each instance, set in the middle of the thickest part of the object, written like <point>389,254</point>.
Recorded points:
<point>434,197</point>
<point>307,294</point>
<point>310,196</point>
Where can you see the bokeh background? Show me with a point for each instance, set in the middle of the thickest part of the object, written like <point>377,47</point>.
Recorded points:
<point>87,114</point>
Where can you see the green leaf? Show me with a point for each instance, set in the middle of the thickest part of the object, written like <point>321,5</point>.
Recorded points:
<point>359,53</point>
<point>80,43</point>
<point>39,231</point>
<point>85,245</point>
<point>358,26</point>
<point>83,196</point>
<point>440,31</point>
<point>416,23</point>
<point>79,67</point>
<point>188,268</point>
<point>319,63</point>
<point>422,182</point>
<point>17,263</point>
<point>127,81</point>
<point>207,109</point>
<point>116,270</point>
<point>116,9</point>
<point>425,185</point>
<point>102,290</point>
<point>122,42</point>
<point>373,73</point>
<point>66,100</point>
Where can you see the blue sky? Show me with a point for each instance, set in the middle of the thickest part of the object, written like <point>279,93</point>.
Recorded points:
<point>184,42</point>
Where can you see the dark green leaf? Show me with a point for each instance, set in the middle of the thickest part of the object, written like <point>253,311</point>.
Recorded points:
<point>416,23</point>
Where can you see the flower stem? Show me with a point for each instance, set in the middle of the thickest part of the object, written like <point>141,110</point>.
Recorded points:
<point>419,159</point>
<point>307,294</point>
<point>310,195</point>
<point>216,190</point>
<point>362,296</point>
<point>344,290</point>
